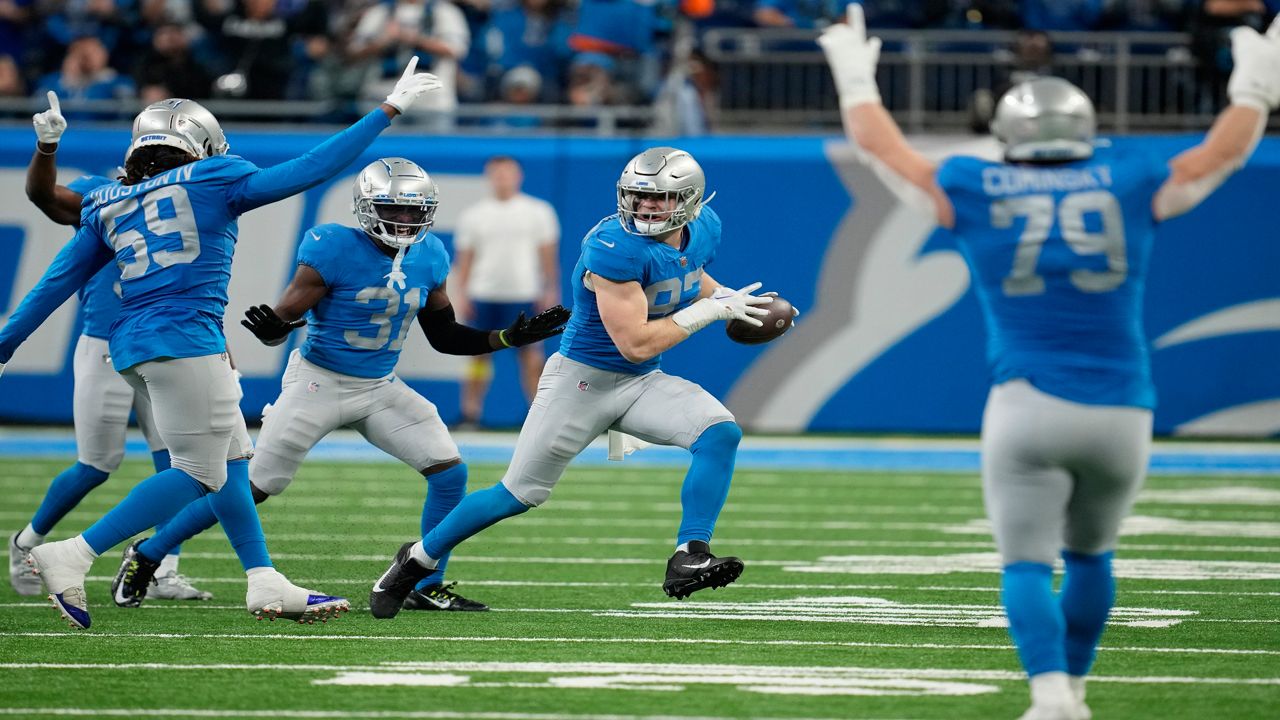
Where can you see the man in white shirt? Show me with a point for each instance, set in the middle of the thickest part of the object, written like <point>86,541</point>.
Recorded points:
<point>506,251</point>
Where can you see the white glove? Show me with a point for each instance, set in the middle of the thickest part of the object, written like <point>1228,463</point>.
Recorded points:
<point>853,59</point>
<point>50,124</point>
<point>724,304</point>
<point>412,86</point>
<point>1255,81</point>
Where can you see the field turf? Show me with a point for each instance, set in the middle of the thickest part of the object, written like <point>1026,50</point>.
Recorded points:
<point>865,595</point>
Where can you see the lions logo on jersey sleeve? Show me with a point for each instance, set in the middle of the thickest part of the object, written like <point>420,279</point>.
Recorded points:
<point>359,327</point>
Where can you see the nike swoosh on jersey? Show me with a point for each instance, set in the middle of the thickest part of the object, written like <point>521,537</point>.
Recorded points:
<point>607,244</point>
<point>699,566</point>
<point>314,235</point>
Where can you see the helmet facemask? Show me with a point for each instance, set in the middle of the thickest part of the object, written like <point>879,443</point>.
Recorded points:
<point>648,212</point>
<point>399,222</point>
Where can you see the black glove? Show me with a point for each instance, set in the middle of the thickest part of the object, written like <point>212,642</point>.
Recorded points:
<point>545,324</point>
<point>263,322</point>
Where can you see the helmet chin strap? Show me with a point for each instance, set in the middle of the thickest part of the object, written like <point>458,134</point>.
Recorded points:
<point>396,278</point>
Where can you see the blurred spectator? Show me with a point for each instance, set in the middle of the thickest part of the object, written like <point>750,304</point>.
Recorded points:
<point>1068,15</point>
<point>85,75</point>
<point>10,79</point>
<point>986,14</point>
<point>690,97</point>
<point>1032,57</point>
<point>590,84</point>
<point>624,31</point>
<point>387,35</point>
<point>879,13</point>
<point>14,18</point>
<point>532,33</point>
<point>1146,15</point>
<point>66,20</point>
<point>1211,43</point>
<point>256,41</point>
<point>168,68</point>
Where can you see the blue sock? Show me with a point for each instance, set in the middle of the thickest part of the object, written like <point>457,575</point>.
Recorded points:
<point>1035,620</point>
<point>233,505</point>
<point>192,520</point>
<point>64,493</point>
<point>444,491</point>
<point>706,485</point>
<point>160,459</point>
<point>151,501</point>
<point>476,512</point>
<point>1088,592</point>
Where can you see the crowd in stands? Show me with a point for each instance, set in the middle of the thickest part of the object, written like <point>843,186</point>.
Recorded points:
<point>577,52</point>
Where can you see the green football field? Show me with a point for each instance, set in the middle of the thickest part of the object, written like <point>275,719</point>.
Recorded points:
<point>865,595</point>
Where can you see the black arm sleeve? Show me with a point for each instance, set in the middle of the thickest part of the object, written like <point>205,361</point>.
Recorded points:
<point>446,335</point>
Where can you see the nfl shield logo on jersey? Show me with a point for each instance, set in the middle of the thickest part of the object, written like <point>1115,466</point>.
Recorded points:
<point>313,386</point>
<point>583,385</point>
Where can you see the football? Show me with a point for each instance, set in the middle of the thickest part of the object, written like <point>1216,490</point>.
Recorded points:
<point>777,322</point>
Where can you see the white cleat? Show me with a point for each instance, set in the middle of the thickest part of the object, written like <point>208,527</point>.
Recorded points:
<point>172,586</point>
<point>1053,698</point>
<point>62,567</point>
<point>23,580</point>
<point>272,596</point>
<point>1057,711</point>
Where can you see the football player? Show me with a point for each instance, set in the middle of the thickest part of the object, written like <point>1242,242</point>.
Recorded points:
<point>101,398</point>
<point>170,225</point>
<point>1057,238</point>
<point>361,289</point>
<point>639,288</point>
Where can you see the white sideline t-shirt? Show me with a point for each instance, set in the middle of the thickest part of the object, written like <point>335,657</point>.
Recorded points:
<point>505,237</point>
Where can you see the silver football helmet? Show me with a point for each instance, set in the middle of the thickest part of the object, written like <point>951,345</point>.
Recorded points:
<point>1046,118</point>
<point>669,175</point>
<point>184,124</point>
<point>395,201</point>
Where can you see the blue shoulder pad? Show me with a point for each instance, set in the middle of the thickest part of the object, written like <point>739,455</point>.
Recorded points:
<point>321,250</point>
<point>959,172</point>
<point>83,184</point>
<point>226,167</point>
<point>439,258</point>
<point>610,252</point>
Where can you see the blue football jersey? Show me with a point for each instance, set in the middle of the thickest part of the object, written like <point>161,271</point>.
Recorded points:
<point>1058,256</point>
<point>671,280</point>
<point>100,297</point>
<point>173,237</point>
<point>359,326</point>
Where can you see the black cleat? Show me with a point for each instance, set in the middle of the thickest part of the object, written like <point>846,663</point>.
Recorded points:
<point>441,597</point>
<point>396,583</point>
<point>697,569</point>
<point>129,587</point>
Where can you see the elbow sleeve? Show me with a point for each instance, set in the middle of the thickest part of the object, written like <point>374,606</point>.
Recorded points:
<point>447,336</point>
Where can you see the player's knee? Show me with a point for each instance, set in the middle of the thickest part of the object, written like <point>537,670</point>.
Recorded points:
<point>528,494</point>
<point>213,477</point>
<point>722,437</point>
<point>101,465</point>
<point>438,468</point>
<point>259,495</point>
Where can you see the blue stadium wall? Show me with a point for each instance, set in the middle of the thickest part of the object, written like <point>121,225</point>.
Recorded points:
<point>891,337</point>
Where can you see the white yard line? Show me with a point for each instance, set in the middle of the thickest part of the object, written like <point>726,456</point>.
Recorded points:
<point>373,714</point>
<point>94,635</point>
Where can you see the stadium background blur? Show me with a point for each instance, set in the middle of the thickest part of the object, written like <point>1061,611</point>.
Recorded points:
<point>891,340</point>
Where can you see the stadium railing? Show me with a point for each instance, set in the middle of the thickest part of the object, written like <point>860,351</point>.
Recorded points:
<point>776,80</point>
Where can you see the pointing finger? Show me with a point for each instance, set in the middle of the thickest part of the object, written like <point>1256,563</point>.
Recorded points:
<point>54,105</point>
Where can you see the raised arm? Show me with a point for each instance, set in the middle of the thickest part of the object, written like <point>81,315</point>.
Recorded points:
<point>1254,89</point>
<point>853,57</point>
<point>450,337</point>
<point>74,265</point>
<point>58,203</point>
<point>624,310</point>
<point>333,155</point>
